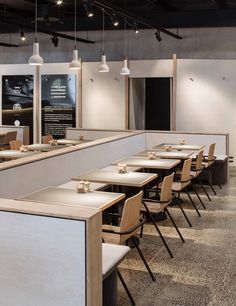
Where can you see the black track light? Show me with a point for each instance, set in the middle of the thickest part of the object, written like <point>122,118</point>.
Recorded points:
<point>158,35</point>
<point>88,5</point>
<point>135,27</point>
<point>55,41</point>
<point>59,2</point>
<point>114,20</point>
<point>22,35</point>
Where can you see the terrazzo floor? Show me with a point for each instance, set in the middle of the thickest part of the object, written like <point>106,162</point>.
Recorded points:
<point>203,270</point>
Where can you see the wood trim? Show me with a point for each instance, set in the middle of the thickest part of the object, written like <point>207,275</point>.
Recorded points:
<point>174,96</point>
<point>127,93</point>
<point>79,104</point>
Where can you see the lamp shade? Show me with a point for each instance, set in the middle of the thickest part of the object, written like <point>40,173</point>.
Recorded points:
<point>75,63</point>
<point>125,70</point>
<point>103,67</point>
<point>35,59</point>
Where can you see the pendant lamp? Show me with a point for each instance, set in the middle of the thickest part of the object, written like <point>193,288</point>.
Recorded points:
<point>103,67</point>
<point>125,70</point>
<point>36,59</point>
<point>76,62</point>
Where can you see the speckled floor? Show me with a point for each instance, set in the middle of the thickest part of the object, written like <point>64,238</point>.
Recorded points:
<point>203,270</point>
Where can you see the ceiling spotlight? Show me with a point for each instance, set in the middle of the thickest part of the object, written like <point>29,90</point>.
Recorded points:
<point>135,27</point>
<point>55,41</point>
<point>158,36</point>
<point>22,35</point>
<point>114,20</point>
<point>59,2</point>
<point>88,5</point>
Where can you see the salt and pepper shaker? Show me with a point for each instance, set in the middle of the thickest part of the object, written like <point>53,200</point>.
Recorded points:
<point>81,137</point>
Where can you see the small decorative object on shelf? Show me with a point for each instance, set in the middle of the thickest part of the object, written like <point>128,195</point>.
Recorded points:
<point>24,148</point>
<point>152,155</point>
<point>182,141</point>
<point>81,137</point>
<point>122,168</point>
<point>87,186</point>
<point>53,142</point>
<point>80,188</point>
<point>167,147</point>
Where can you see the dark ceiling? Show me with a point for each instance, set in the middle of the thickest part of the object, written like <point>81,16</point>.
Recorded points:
<point>157,14</point>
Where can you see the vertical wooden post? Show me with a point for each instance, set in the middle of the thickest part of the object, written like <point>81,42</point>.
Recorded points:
<point>37,116</point>
<point>127,102</point>
<point>174,97</point>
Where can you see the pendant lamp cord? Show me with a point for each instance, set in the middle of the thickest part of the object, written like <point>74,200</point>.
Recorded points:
<point>75,43</point>
<point>125,46</point>
<point>103,31</point>
<point>36,20</point>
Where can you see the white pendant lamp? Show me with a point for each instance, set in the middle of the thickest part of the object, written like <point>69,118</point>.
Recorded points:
<point>76,62</point>
<point>125,70</point>
<point>36,59</point>
<point>103,67</point>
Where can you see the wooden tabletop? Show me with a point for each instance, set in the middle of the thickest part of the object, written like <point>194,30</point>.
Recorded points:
<point>132,179</point>
<point>170,155</point>
<point>180,147</point>
<point>65,141</point>
<point>15,154</point>
<point>144,162</point>
<point>44,147</point>
<point>95,199</point>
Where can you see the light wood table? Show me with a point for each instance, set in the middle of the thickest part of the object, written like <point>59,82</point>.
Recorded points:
<point>131,179</point>
<point>44,147</point>
<point>180,147</point>
<point>72,142</point>
<point>169,155</point>
<point>15,154</point>
<point>142,162</point>
<point>95,199</point>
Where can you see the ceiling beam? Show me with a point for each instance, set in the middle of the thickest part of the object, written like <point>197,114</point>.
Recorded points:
<point>129,15</point>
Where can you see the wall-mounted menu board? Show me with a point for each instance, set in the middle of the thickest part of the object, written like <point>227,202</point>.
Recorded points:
<point>17,101</point>
<point>58,94</point>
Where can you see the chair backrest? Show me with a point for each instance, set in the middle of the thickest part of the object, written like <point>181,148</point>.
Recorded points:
<point>198,164</point>
<point>185,174</point>
<point>211,152</point>
<point>10,136</point>
<point>131,212</point>
<point>15,144</point>
<point>46,139</point>
<point>166,188</point>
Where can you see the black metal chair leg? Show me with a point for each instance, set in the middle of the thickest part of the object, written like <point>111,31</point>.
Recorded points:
<point>126,288</point>
<point>141,231</point>
<point>143,259</point>
<point>157,228</point>
<point>208,182</point>
<point>173,222</point>
<point>195,191</point>
<point>215,177</point>
<point>204,189</point>
<point>186,217</point>
<point>191,200</point>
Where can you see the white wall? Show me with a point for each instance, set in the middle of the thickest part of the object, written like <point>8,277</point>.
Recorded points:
<point>151,68</point>
<point>103,96</point>
<point>206,91</point>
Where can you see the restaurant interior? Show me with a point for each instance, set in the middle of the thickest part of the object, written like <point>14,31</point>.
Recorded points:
<point>117,145</point>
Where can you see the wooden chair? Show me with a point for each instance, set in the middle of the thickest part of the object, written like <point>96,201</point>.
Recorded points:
<point>46,139</point>
<point>155,206</point>
<point>181,182</point>
<point>129,226</point>
<point>208,163</point>
<point>8,137</point>
<point>15,144</point>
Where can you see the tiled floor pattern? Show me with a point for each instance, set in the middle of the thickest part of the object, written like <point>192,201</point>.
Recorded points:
<point>203,270</point>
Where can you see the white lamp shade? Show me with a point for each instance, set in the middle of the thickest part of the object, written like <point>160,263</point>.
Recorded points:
<point>35,59</point>
<point>125,70</point>
<point>103,67</point>
<point>76,62</point>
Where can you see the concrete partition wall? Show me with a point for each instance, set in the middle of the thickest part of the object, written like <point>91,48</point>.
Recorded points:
<point>54,168</point>
<point>49,255</point>
<point>92,134</point>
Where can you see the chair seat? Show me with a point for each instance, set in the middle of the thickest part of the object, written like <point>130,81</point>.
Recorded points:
<point>154,208</point>
<point>178,186</point>
<point>207,164</point>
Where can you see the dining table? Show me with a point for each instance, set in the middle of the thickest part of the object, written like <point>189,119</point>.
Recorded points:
<point>15,154</point>
<point>170,155</point>
<point>180,147</point>
<point>72,142</point>
<point>95,199</point>
<point>41,147</point>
